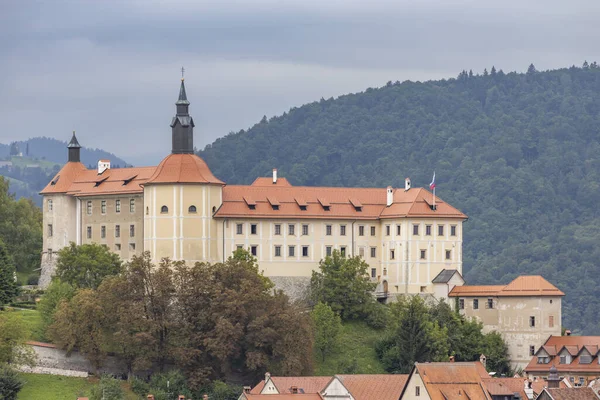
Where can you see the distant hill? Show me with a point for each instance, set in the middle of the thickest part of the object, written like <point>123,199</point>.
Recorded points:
<point>518,153</point>
<point>39,160</point>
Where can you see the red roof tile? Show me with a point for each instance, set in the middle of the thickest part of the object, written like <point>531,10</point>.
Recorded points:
<point>285,396</point>
<point>583,393</point>
<point>64,178</point>
<point>308,384</point>
<point>505,386</point>
<point>368,387</point>
<point>183,168</point>
<point>524,285</point>
<point>452,381</point>
<point>573,344</point>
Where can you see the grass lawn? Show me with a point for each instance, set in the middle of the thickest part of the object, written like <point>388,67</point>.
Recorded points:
<point>356,353</point>
<point>33,321</point>
<point>50,387</point>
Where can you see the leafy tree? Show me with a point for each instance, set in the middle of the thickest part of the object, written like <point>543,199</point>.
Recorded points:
<point>13,335</point>
<point>86,265</point>
<point>108,389</point>
<point>53,296</point>
<point>496,352</point>
<point>343,284</point>
<point>10,383</point>
<point>328,326</point>
<point>8,286</point>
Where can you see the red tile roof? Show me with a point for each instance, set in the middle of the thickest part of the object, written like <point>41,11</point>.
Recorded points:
<point>308,384</point>
<point>284,396</point>
<point>64,178</point>
<point>370,201</point>
<point>505,386</point>
<point>583,393</point>
<point>183,168</point>
<point>454,380</point>
<point>574,345</point>
<point>380,387</point>
<point>524,285</point>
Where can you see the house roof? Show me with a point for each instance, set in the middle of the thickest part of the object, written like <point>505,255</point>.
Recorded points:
<point>538,385</point>
<point>573,344</point>
<point>306,384</point>
<point>64,178</point>
<point>445,275</point>
<point>453,380</point>
<point>284,396</point>
<point>505,386</point>
<point>183,168</point>
<point>583,393</point>
<point>368,387</point>
<point>341,203</point>
<point>524,285</point>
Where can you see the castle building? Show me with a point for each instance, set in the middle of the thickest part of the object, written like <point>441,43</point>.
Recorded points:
<point>180,210</point>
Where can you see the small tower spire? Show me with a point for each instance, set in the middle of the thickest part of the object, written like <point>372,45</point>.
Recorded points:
<point>182,125</point>
<point>74,149</point>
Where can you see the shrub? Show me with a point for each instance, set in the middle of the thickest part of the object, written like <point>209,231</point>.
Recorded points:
<point>108,389</point>
<point>33,279</point>
<point>10,383</point>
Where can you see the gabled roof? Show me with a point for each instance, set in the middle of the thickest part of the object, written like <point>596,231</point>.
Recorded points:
<point>64,178</point>
<point>583,393</point>
<point>445,275</point>
<point>524,285</point>
<point>505,386</point>
<point>453,380</point>
<point>183,168</point>
<point>284,396</point>
<point>306,384</point>
<point>573,344</point>
<point>380,387</point>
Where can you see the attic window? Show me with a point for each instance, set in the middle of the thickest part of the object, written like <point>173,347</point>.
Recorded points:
<point>127,180</point>
<point>99,182</point>
<point>250,202</point>
<point>55,180</point>
<point>324,203</point>
<point>301,203</point>
<point>357,204</point>
<point>274,203</point>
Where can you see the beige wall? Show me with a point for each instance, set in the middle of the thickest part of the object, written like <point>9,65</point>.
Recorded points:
<point>405,272</point>
<point>63,219</point>
<point>178,233</point>
<point>410,391</point>
<point>511,317</point>
<point>129,245</point>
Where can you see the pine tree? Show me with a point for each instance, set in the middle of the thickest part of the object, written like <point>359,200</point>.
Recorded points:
<point>8,286</point>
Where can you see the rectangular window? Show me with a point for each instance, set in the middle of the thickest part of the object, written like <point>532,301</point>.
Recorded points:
<point>305,230</point>
<point>392,254</point>
<point>328,230</point>
<point>416,229</point>
<point>89,208</point>
<point>277,251</point>
<point>453,230</point>
<point>581,381</point>
<point>343,251</point>
<point>304,251</point>
<point>278,229</point>
<point>475,304</point>
<point>387,230</point>
<point>239,229</point>
<point>361,230</point>
<point>328,251</point>
<point>89,232</point>
<point>531,350</point>
<point>131,230</point>
<point>131,246</point>
<point>531,322</point>
<point>427,230</point>
<point>448,254</point>
<point>291,229</point>
<point>292,251</point>
<point>361,252</point>
<point>342,230</point>
<point>490,304</point>
<point>585,359</point>
<point>239,246</point>
<point>50,205</point>
<point>117,230</point>
<point>254,250</point>
<point>398,230</point>
<point>132,205</point>
<point>423,254</point>
<point>253,229</point>
<point>50,230</point>
<point>103,232</point>
<point>103,207</point>
<point>118,247</point>
<point>373,272</point>
<point>461,304</point>
<point>372,231</point>
<point>417,390</point>
<point>117,206</point>
<point>373,252</point>
<point>440,230</point>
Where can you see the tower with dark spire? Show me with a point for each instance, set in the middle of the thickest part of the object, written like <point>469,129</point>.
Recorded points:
<point>182,125</point>
<point>74,149</point>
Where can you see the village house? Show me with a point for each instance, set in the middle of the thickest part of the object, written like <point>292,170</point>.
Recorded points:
<point>576,358</point>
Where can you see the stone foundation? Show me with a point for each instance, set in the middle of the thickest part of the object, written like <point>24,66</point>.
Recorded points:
<point>48,267</point>
<point>296,287</point>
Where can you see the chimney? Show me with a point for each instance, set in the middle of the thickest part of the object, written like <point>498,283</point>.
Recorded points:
<point>483,359</point>
<point>267,376</point>
<point>247,389</point>
<point>274,176</point>
<point>390,196</point>
<point>406,184</point>
<point>294,389</point>
<point>451,358</point>
<point>103,165</point>
<point>567,333</point>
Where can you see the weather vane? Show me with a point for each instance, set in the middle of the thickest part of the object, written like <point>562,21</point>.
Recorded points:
<point>182,72</point>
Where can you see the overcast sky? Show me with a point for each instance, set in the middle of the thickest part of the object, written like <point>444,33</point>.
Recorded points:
<point>110,69</point>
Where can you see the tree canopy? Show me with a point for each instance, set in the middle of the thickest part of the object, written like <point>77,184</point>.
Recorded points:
<point>518,153</point>
<point>86,265</point>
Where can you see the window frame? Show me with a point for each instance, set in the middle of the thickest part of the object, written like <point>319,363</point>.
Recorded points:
<point>117,231</point>
<point>239,229</point>
<point>373,252</point>
<point>427,230</point>
<point>277,230</point>
<point>291,250</point>
<point>361,230</point>
<point>416,230</point>
<point>305,230</point>
<point>441,230</point>
<point>103,232</point>
<point>132,206</point>
<point>254,229</point>
<point>50,205</point>
<point>88,232</point>
<point>328,251</point>
<point>328,230</point>
<point>50,230</point>
<point>277,250</point>
<point>89,207</point>
<point>118,206</point>
<point>398,230</point>
<point>452,230</point>
<point>475,304</point>
<point>291,229</point>
<point>342,230</point>
<point>423,254</point>
<point>305,251</point>
<point>373,231</point>
<point>448,254</point>
<point>132,230</point>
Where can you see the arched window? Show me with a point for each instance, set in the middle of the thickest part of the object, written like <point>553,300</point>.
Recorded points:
<point>164,209</point>
<point>192,209</point>
<point>214,209</point>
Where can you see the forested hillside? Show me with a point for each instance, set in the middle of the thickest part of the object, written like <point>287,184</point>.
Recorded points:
<point>518,153</point>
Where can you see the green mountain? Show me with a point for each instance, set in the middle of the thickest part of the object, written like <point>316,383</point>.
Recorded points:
<point>30,165</point>
<point>518,153</point>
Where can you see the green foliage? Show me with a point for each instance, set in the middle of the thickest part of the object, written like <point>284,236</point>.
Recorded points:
<point>328,326</point>
<point>108,389</point>
<point>33,325</point>
<point>86,265</point>
<point>56,292</point>
<point>222,391</point>
<point>33,279</point>
<point>13,335</point>
<point>8,286</point>
<point>519,154</point>
<point>496,350</point>
<point>20,229</point>
<point>343,284</point>
<point>10,383</point>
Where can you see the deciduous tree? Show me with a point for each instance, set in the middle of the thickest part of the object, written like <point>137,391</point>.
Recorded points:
<point>8,286</point>
<point>86,265</point>
<point>328,326</point>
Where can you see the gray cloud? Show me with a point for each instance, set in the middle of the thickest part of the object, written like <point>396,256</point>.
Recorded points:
<point>110,69</point>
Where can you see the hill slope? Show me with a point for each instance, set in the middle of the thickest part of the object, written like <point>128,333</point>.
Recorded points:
<point>519,153</point>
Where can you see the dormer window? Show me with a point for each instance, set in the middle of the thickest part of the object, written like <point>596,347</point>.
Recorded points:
<point>585,359</point>
<point>302,208</point>
<point>356,204</point>
<point>164,209</point>
<point>250,202</point>
<point>324,203</point>
<point>301,203</point>
<point>274,203</point>
<point>55,180</point>
<point>543,360</point>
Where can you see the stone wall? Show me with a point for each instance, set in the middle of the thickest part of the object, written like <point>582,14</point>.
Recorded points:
<point>48,356</point>
<point>48,266</point>
<point>296,287</point>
